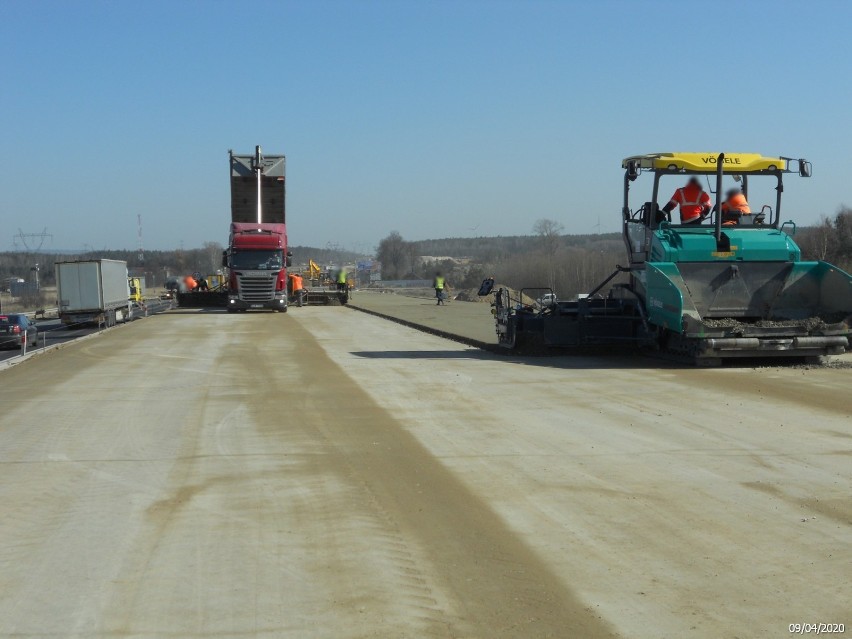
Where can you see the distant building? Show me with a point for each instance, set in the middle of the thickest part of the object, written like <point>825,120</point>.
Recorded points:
<point>442,259</point>
<point>19,287</point>
<point>368,271</point>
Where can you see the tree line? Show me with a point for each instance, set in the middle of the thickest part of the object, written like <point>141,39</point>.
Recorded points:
<point>830,240</point>
<point>568,264</point>
<point>155,265</point>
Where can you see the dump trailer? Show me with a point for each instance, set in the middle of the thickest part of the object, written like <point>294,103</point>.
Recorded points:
<point>256,259</point>
<point>257,256</point>
<point>725,287</point>
<point>93,292</point>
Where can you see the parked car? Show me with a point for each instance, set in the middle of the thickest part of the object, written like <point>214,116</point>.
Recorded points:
<point>547,299</point>
<point>13,326</point>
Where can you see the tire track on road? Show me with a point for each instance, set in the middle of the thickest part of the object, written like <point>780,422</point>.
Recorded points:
<point>498,585</point>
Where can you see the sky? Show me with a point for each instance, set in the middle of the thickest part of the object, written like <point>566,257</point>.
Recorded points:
<point>440,118</point>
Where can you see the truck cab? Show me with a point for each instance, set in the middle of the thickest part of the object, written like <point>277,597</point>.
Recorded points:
<point>256,260</point>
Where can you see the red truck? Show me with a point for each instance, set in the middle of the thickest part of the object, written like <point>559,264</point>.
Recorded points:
<point>257,256</point>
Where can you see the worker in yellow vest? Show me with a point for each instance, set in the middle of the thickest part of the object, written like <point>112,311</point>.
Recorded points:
<point>341,280</point>
<point>440,285</point>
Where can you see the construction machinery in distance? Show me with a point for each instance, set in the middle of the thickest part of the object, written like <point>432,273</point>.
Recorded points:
<point>321,286</point>
<point>700,292</point>
<point>137,294</point>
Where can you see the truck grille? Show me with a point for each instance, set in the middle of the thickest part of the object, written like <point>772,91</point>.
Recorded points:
<point>256,288</point>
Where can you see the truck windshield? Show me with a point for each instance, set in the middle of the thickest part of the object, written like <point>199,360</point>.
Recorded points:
<point>257,260</point>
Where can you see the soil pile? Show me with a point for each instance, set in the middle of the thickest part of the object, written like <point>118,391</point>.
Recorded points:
<point>469,295</point>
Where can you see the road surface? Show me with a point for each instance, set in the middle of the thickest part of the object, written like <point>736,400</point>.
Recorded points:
<point>326,473</point>
<point>470,321</point>
<point>53,331</point>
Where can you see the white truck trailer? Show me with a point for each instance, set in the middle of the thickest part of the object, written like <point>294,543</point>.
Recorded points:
<point>93,292</point>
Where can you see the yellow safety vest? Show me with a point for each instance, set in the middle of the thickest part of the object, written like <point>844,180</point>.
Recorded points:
<point>341,277</point>
<point>439,282</point>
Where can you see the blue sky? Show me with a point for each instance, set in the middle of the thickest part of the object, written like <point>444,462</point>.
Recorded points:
<point>442,118</point>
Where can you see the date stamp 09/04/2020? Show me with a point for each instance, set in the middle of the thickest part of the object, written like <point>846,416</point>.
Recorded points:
<point>817,628</point>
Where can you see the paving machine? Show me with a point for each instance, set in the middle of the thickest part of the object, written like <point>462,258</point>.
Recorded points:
<point>321,287</point>
<point>214,296</point>
<point>705,291</point>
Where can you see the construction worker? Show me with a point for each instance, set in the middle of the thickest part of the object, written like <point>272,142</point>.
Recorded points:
<point>297,287</point>
<point>693,201</point>
<point>341,280</point>
<point>190,283</point>
<point>734,207</point>
<point>440,284</point>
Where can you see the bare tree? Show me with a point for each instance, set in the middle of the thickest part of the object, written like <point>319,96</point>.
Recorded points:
<point>395,255</point>
<point>843,234</point>
<point>550,232</point>
<point>411,259</point>
<point>214,253</point>
<point>818,242</point>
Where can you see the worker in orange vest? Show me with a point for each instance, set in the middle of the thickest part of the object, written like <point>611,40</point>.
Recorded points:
<point>693,201</point>
<point>298,287</point>
<point>734,207</point>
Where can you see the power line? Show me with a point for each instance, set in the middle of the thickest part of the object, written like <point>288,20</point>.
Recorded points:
<point>28,240</point>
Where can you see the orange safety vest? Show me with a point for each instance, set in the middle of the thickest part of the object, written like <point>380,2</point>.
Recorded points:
<point>297,282</point>
<point>691,200</point>
<point>190,282</point>
<point>736,203</point>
